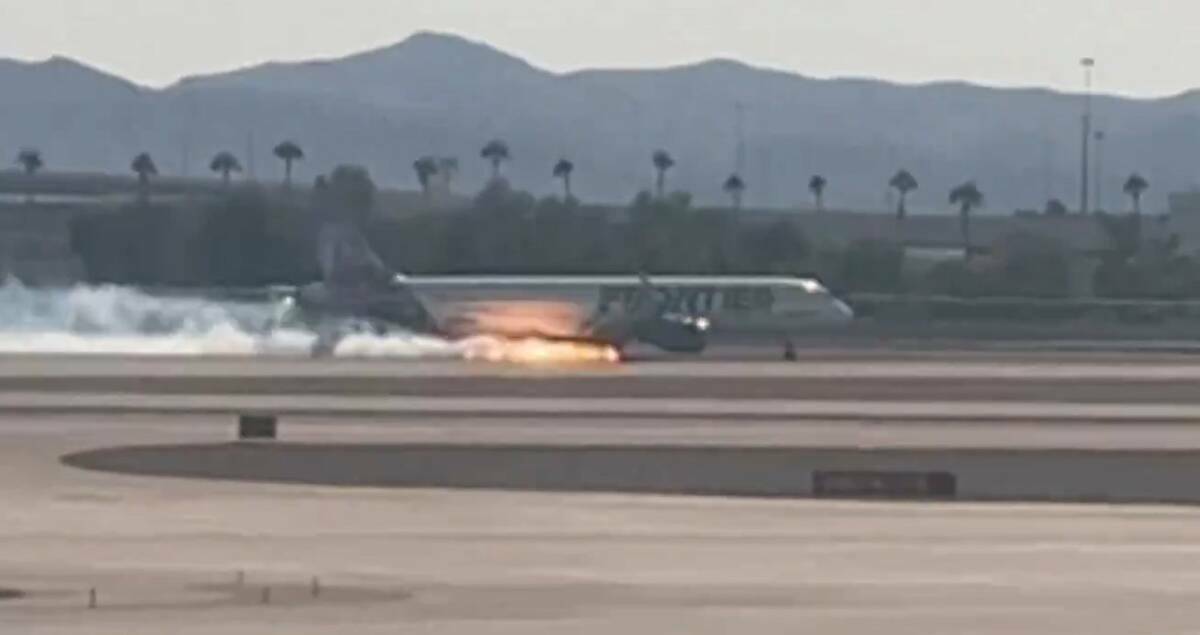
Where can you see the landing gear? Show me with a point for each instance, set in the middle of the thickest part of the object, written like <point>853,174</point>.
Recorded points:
<point>789,351</point>
<point>326,343</point>
<point>323,348</point>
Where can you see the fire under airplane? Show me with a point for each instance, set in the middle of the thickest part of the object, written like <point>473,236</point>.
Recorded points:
<point>673,313</point>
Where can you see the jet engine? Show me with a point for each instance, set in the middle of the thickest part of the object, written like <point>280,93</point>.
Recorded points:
<point>674,332</point>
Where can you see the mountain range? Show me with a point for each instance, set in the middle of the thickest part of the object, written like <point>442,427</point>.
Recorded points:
<point>442,95</point>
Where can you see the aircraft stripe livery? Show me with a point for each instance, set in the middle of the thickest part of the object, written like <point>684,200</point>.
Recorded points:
<point>673,313</point>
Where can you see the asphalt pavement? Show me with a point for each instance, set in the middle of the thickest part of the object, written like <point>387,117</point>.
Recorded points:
<point>214,554</point>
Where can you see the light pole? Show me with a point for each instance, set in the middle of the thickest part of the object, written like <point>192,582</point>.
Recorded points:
<point>1099,137</point>
<point>1088,64</point>
<point>740,153</point>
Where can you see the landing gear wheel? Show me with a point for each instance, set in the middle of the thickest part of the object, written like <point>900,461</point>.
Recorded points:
<point>322,349</point>
<point>325,344</point>
<point>618,353</point>
<point>789,351</point>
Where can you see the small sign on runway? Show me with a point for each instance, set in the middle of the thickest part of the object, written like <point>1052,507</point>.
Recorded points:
<point>257,427</point>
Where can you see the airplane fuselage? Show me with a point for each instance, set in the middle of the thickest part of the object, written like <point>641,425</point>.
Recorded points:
<point>602,309</point>
<point>568,304</point>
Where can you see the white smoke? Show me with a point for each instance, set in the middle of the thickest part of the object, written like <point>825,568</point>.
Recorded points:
<point>112,320</point>
<point>398,346</point>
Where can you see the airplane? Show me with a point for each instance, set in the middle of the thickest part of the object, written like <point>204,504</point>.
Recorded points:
<point>677,314</point>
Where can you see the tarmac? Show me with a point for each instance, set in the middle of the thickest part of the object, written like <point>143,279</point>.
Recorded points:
<point>171,551</point>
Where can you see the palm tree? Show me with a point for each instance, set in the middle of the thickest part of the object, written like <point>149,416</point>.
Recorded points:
<point>225,164</point>
<point>816,185</point>
<point>289,152</point>
<point>1055,207</point>
<point>1135,186</point>
<point>967,196</point>
<point>563,170</point>
<point>663,162</point>
<point>30,161</point>
<point>904,182</point>
<point>426,168</point>
<point>735,187</point>
<point>144,166</point>
<point>496,151</point>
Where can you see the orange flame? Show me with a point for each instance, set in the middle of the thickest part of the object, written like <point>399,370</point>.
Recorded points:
<point>539,351</point>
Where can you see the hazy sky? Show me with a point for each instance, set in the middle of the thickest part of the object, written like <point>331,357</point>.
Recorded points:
<point>1144,47</point>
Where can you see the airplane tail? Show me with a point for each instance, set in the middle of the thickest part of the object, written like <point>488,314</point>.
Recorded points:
<point>357,280</point>
<point>346,258</point>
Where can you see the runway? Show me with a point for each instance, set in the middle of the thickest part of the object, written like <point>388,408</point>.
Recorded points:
<point>197,555</point>
<point>1151,379</point>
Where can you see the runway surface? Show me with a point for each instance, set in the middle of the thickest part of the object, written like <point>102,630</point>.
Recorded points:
<point>164,554</point>
<point>1106,379</point>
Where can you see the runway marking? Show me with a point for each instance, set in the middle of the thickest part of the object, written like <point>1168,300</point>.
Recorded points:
<point>616,407</point>
<point>1047,369</point>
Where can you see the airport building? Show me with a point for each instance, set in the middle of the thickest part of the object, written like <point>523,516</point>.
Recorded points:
<point>1184,219</point>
